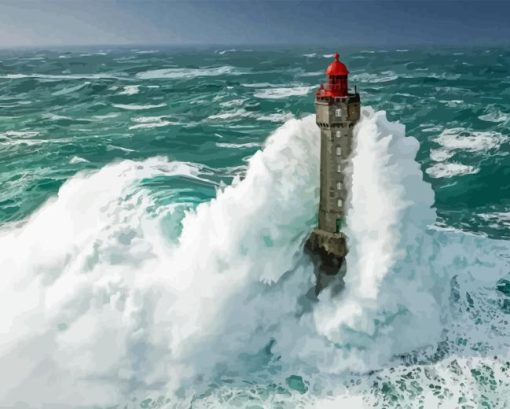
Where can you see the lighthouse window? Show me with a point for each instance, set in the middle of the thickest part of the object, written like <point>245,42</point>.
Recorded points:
<point>339,169</point>
<point>339,186</point>
<point>338,112</point>
<point>338,134</point>
<point>340,202</point>
<point>338,151</point>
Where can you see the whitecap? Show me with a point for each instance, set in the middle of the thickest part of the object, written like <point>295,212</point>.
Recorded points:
<point>310,74</point>
<point>233,102</point>
<point>187,73</point>
<point>238,113</point>
<point>430,128</point>
<point>471,141</point>
<point>279,93</point>
<point>223,52</point>
<point>260,85</point>
<point>20,134</point>
<point>106,116</point>
<point>130,90</point>
<point>440,155</point>
<point>448,170</point>
<point>238,145</point>
<point>63,77</point>
<point>120,148</point>
<point>147,122</point>
<point>242,113</point>
<point>57,117</point>
<point>495,115</point>
<point>135,107</point>
<point>22,142</point>
<point>276,117</point>
<point>147,52</point>
<point>77,159</point>
<point>385,76</point>
<point>453,103</point>
<point>500,218</point>
<point>152,125</point>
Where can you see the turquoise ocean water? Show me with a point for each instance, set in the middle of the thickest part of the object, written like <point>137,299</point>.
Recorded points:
<point>151,226</point>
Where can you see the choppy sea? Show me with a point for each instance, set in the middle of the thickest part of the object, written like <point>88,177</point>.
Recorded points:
<point>154,203</point>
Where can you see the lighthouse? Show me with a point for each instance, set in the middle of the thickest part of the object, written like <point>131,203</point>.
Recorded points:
<point>337,111</point>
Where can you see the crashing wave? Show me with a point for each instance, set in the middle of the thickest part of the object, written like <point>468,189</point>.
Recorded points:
<point>118,296</point>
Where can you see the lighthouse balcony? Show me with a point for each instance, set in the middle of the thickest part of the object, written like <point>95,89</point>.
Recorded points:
<point>330,95</point>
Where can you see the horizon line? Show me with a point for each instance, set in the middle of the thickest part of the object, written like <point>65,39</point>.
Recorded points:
<point>262,44</point>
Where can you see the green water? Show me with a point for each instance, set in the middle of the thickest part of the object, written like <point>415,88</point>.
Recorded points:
<point>113,104</point>
<point>164,130</point>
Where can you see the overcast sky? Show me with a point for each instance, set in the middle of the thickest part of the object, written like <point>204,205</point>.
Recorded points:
<point>349,22</point>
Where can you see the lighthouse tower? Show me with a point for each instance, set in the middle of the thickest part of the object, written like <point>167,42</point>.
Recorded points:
<point>337,111</point>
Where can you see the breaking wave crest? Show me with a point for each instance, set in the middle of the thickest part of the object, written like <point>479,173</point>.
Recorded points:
<point>115,295</point>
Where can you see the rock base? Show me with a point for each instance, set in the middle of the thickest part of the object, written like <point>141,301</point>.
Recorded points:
<point>328,251</point>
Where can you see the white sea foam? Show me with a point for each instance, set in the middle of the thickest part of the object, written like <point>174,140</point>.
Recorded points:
<point>460,139</point>
<point>25,142</point>
<point>147,122</point>
<point>284,92</point>
<point>118,297</point>
<point>453,103</point>
<point>20,134</point>
<point>147,52</point>
<point>230,50</point>
<point>498,218</point>
<point>389,211</point>
<point>237,102</point>
<point>237,145</point>
<point>236,113</point>
<point>471,141</point>
<point>106,116</point>
<point>137,107</point>
<point>77,159</point>
<point>56,117</point>
<point>150,125</point>
<point>385,76</point>
<point>120,148</point>
<point>448,170</point>
<point>243,113</point>
<point>440,155</point>
<point>187,73</point>
<point>310,74</point>
<point>430,128</point>
<point>495,115</point>
<point>260,85</point>
<point>276,117</point>
<point>63,76</point>
<point>130,90</point>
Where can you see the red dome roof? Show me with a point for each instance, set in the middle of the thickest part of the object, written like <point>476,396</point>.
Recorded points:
<point>337,67</point>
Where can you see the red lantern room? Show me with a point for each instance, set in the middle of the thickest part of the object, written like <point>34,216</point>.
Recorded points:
<point>336,86</point>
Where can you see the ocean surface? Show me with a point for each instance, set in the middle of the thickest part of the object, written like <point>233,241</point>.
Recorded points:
<point>154,204</point>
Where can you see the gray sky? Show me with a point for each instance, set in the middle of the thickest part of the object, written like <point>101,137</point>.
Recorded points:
<point>350,22</point>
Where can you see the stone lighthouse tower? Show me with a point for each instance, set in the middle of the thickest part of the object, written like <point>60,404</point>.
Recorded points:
<point>338,110</point>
